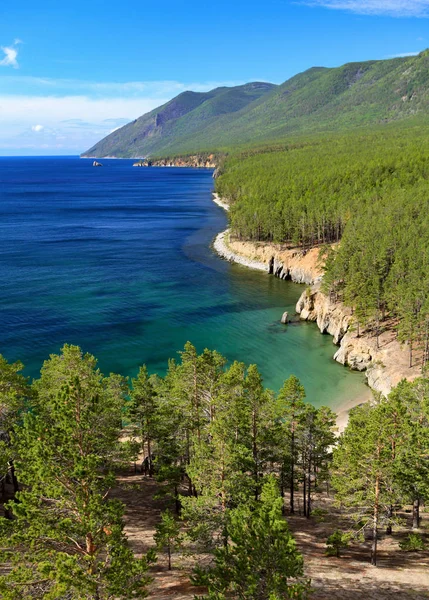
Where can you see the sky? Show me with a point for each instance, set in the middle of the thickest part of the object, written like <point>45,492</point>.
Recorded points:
<point>72,72</point>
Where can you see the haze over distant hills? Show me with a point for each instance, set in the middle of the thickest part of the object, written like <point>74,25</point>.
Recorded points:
<point>319,99</point>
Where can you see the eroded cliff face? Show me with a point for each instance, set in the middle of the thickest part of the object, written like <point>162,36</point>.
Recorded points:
<point>330,318</point>
<point>197,161</point>
<point>293,264</point>
<point>385,365</point>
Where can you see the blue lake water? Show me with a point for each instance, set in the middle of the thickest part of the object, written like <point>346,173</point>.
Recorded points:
<point>119,261</point>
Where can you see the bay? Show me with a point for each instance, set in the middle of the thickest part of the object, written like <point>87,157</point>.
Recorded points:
<point>119,261</point>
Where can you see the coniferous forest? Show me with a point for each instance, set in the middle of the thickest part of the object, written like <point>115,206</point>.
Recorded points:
<point>366,190</point>
<point>230,458</point>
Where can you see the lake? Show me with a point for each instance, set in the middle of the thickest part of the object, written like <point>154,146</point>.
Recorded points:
<point>119,261</point>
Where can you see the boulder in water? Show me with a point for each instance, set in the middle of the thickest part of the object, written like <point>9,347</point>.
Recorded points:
<point>285,318</point>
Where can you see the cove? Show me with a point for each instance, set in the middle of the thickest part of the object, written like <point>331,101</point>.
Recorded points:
<point>119,261</point>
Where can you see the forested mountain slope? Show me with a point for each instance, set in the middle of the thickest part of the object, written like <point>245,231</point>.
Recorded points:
<point>180,118</point>
<point>318,100</point>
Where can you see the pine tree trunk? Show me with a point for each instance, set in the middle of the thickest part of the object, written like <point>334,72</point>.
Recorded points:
<point>416,514</point>
<point>375,523</point>
<point>292,475</point>
<point>389,524</point>
<point>169,557</point>
<point>426,352</point>
<point>309,489</point>
<point>177,503</point>
<point>304,493</point>
<point>13,477</point>
<point>309,496</point>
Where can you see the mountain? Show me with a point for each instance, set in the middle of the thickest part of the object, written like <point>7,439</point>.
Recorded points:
<point>320,99</point>
<point>180,118</point>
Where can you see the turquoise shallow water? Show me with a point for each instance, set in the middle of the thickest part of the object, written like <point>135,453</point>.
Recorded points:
<point>119,261</point>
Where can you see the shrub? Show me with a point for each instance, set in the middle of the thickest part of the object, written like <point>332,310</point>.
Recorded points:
<point>336,542</point>
<point>412,543</point>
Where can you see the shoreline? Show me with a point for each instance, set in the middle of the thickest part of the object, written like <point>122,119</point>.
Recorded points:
<point>220,245</point>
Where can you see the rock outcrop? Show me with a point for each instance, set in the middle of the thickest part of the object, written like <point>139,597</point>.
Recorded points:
<point>286,263</point>
<point>330,318</point>
<point>385,364</point>
<point>196,161</point>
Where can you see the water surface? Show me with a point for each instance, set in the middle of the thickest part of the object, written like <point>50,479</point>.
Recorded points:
<point>119,261</point>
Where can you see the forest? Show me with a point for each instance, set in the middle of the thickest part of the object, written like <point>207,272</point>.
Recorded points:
<point>366,190</point>
<point>233,460</point>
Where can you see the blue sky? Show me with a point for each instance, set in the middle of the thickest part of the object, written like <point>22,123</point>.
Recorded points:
<point>71,72</point>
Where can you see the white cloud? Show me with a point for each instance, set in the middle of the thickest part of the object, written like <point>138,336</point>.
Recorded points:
<point>393,8</point>
<point>73,123</point>
<point>10,55</point>
<point>76,113</point>
<point>104,89</point>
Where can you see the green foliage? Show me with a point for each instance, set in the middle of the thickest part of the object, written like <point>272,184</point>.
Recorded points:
<point>15,398</point>
<point>167,536</point>
<point>337,541</point>
<point>319,514</point>
<point>380,460</point>
<point>412,543</point>
<point>262,561</point>
<point>367,189</point>
<point>161,130</point>
<point>67,535</point>
<point>360,94</point>
<point>142,410</point>
<point>215,428</point>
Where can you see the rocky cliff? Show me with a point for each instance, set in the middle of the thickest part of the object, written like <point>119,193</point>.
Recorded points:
<point>286,263</point>
<point>385,365</point>
<point>196,161</point>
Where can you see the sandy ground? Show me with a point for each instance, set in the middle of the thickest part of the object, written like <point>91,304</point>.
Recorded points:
<point>399,576</point>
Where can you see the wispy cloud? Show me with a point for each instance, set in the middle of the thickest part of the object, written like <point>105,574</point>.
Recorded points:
<point>10,55</point>
<point>403,54</point>
<point>70,124</point>
<point>392,8</point>
<point>107,89</point>
<point>42,114</point>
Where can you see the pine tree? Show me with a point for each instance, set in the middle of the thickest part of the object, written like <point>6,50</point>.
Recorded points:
<point>167,536</point>
<point>143,411</point>
<point>408,406</point>
<point>262,561</point>
<point>67,537</point>
<point>15,399</point>
<point>290,410</point>
<point>362,468</point>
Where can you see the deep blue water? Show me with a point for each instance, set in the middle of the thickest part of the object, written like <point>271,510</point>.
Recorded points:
<point>118,260</point>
